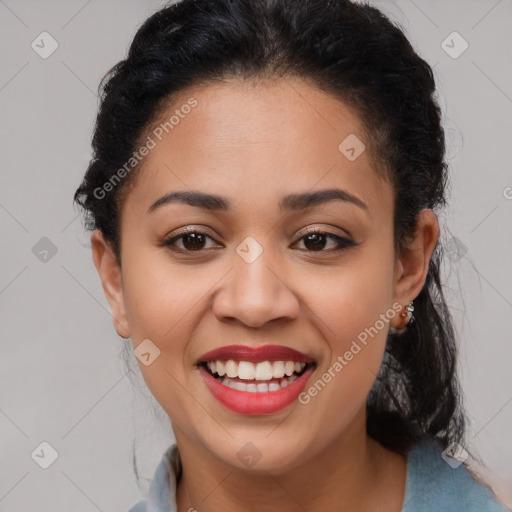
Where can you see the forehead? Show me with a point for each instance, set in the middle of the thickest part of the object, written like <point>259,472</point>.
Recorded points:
<point>256,142</point>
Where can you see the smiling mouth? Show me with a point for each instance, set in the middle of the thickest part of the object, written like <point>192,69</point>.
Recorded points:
<point>261,377</point>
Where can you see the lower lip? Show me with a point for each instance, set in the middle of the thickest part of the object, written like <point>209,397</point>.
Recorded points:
<point>245,402</point>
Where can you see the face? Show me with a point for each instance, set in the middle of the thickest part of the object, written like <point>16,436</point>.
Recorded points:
<point>246,270</point>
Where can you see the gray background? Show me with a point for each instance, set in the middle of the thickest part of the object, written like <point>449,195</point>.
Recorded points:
<point>63,377</point>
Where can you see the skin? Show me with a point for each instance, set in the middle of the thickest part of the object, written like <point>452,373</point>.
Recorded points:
<point>254,142</point>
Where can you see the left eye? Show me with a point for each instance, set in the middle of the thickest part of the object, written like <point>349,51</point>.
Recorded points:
<point>317,240</point>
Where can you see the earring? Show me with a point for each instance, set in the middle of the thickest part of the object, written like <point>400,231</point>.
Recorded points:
<point>408,315</point>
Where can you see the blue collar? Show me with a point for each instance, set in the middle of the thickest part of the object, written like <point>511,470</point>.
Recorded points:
<point>431,485</point>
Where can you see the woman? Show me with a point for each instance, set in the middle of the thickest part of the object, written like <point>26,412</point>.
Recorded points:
<point>262,199</point>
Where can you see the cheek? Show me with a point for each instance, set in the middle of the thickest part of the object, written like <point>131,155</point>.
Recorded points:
<point>161,295</point>
<point>352,308</point>
<point>164,303</point>
<point>352,298</point>
<point>356,332</point>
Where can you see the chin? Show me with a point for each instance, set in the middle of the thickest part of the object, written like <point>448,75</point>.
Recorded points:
<point>260,455</point>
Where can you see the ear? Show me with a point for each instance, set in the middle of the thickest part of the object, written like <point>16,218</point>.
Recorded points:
<point>111,280</point>
<point>413,261</point>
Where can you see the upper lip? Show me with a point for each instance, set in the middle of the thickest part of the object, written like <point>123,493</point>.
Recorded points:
<point>255,355</point>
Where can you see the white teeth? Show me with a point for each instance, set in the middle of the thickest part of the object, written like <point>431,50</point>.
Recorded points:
<point>221,368</point>
<point>261,387</point>
<point>289,368</point>
<point>263,371</point>
<point>231,368</point>
<point>278,367</point>
<point>252,388</point>
<point>238,385</point>
<point>247,370</point>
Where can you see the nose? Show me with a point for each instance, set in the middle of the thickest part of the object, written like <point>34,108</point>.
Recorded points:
<point>255,293</point>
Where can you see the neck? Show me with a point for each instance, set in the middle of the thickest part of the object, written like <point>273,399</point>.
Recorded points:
<point>352,473</point>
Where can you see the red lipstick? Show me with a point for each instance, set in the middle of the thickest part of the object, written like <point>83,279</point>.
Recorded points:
<point>251,396</point>
<point>246,402</point>
<point>255,355</point>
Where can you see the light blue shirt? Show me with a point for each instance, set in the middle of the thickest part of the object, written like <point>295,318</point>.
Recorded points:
<point>432,485</point>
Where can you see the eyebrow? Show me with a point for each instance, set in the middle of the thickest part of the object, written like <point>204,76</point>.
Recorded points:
<point>290,202</point>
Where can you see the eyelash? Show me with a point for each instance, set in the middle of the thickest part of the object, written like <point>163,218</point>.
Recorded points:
<point>344,242</point>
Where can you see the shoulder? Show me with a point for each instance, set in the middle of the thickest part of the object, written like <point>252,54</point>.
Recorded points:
<point>435,482</point>
<point>141,506</point>
<point>162,489</point>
